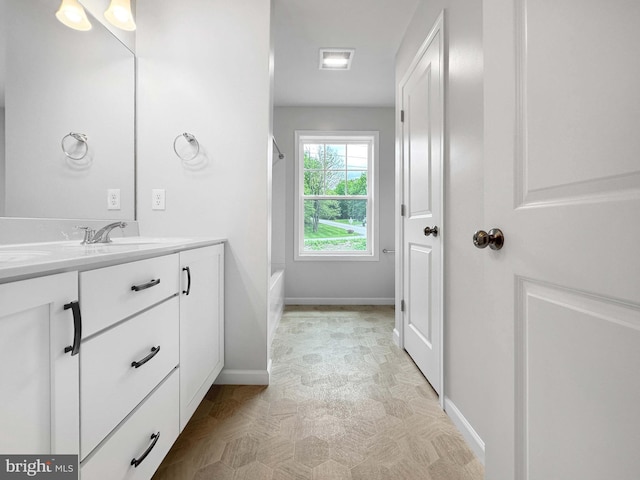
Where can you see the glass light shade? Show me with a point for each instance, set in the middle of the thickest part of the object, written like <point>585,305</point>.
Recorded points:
<point>120,16</point>
<point>73,15</point>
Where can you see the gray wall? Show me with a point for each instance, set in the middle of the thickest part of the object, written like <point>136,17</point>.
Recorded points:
<point>2,155</point>
<point>464,327</point>
<point>191,80</point>
<point>329,281</point>
<point>278,202</point>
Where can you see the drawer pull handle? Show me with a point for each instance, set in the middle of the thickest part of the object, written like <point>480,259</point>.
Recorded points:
<point>155,437</point>
<point>144,286</point>
<point>154,352</point>
<point>77,328</point>
<point>188,290</point>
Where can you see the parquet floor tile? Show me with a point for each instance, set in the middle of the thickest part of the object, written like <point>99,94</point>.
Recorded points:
<point>344,404</point>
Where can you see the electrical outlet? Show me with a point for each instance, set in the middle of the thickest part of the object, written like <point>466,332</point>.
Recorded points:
<point>113,199</point>
<point>157,199</point>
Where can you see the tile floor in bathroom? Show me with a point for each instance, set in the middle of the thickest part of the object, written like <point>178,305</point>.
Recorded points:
<point>344,403</point>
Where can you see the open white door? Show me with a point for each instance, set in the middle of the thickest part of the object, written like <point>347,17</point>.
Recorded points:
<point>422,157</point>
<point>562,181</point>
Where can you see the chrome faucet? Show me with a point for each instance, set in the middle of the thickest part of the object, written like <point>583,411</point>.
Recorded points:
<point>102,235</point>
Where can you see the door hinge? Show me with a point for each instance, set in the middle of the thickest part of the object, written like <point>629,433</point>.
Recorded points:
<point>402,305</point>
<point>402,210</point>
<point>402,116</point>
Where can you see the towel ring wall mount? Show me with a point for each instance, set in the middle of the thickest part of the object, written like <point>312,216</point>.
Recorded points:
<point>80,138</point>
<point>191,140</point>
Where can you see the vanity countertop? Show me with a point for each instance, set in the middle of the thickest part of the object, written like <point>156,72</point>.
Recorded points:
<point>27,260</point>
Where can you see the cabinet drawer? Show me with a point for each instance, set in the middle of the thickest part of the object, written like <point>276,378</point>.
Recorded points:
<point>158,414</point>
<point>110,386</point>
<point>106,294</point>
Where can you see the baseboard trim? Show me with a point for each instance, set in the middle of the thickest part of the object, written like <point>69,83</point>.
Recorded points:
<point>243,377</point>
<point>396,337</point>
<point>339,301</point>
<point>469,434</point>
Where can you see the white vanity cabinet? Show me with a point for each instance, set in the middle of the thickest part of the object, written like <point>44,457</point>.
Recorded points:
<point>110,361</point>
<point>39,380</point>
<point>153,343</point>
<point>130,346</point>
<point>201,325</point>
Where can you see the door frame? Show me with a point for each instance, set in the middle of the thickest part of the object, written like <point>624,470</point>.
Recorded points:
<point>398,332</point>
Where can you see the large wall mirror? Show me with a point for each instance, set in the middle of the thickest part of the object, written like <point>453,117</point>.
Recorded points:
<point>55,81</point>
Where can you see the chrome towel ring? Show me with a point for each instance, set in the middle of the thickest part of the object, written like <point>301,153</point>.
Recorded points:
<point>191,140</point>
<point>80,138</point>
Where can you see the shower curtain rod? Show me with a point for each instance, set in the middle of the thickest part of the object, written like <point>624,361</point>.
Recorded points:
<point>280,154</point>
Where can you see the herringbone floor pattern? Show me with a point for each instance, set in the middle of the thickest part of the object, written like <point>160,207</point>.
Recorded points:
<point>344,403</point>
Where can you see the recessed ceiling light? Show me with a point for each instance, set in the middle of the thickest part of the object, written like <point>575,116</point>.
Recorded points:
<point>336,58</point>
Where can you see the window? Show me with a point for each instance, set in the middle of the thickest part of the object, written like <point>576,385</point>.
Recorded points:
<point>335,214</point>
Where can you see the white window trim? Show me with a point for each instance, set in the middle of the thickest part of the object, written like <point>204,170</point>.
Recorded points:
<point>372,225</point>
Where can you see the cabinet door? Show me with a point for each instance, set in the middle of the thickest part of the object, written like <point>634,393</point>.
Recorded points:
<point>38,381</point>
<point>201,325</point>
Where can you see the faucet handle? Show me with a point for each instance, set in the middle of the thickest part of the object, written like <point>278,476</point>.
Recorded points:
<point>88,234</point>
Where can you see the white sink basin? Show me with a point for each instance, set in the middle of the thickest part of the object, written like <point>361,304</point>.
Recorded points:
<point>21,255</point>
<point>145,240</point>
<point>63,250</point>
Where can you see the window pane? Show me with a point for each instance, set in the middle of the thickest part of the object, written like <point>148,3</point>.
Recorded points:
<point>324,169</point>
<point>335,225</point>
<point>334,182</point>
<point>313,154</point>
<point>358,156</point>
<point>314,182</point>
<point>356,183</point>
<point>335,157</point>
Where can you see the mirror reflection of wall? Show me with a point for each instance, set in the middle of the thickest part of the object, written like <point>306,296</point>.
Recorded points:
<point>58,80</point>
<point>2,214</point>
<point>2,75</point>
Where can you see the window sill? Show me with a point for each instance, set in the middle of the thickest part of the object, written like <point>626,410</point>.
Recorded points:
<point>336,257</point>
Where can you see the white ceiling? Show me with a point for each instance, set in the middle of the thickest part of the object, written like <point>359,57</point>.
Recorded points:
<point>373,27</point>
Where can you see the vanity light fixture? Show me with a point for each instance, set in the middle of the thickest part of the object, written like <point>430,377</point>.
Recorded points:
<point>336,58</point>
<point>73,15</point>
<point>119,15</point>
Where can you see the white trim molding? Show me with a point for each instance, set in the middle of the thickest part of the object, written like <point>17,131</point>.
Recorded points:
<point>338,301</point>
<point>438,28</point>
<point>243,377</point>
<point>468,432</point>
<point>372,139</point>
<point>396,338</point>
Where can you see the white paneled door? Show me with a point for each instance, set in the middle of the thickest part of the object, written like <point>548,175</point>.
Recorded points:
<point>562,181</point>
<point>422,154</point>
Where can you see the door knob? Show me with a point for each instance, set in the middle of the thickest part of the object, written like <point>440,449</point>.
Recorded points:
<point>430,231</point>
<point>494,239</point>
